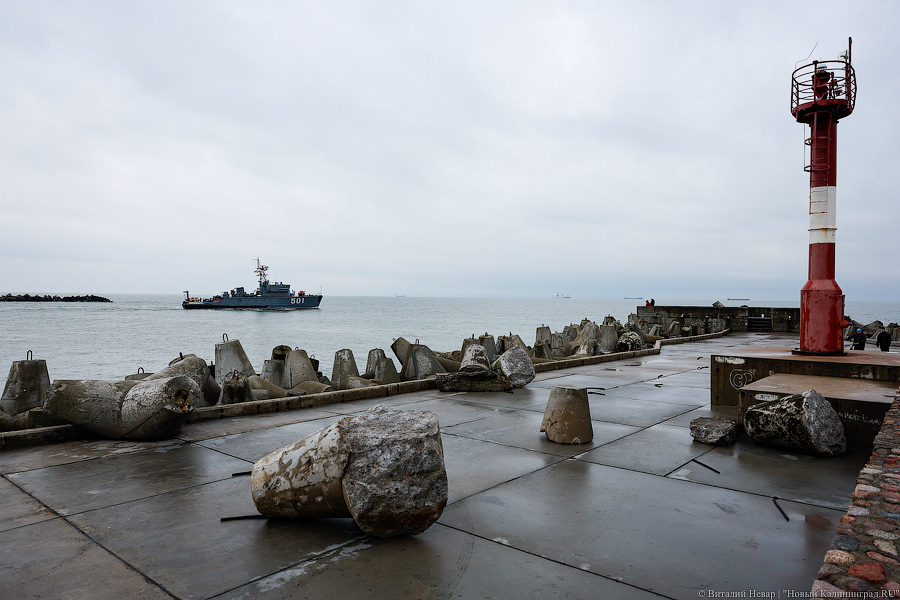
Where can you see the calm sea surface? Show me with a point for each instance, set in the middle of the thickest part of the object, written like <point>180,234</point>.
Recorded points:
<point>111,340</point>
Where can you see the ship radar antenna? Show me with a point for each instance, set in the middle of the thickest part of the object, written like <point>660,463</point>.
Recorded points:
<point>261,271</point>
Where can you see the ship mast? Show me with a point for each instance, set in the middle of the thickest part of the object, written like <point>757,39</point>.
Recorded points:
<point>261,272</point>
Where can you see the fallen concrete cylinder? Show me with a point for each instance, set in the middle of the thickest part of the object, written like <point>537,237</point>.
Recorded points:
<point>344,368</point>
<point>230,356</point>
<point>235,389</point>
<point>271,390</point>
<point>421,363</point>
<point>194,367</point>
<point>310,387</point>
<point>136,410</point>
<point>384,468</point>
<point>27,386</point>
<point>803,421</point>
<point>714,431</point>
<point>567,418</point>
<point>298,367</point>
<point>516,366</point>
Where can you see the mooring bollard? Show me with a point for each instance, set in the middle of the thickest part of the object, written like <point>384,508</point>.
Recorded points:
<point>567,419</point>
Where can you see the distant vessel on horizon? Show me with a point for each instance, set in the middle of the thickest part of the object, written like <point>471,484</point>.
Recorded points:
<point>269,295</point>
<point>558,295</point>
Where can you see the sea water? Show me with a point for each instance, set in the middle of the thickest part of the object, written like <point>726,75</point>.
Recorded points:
<point>111,340</point>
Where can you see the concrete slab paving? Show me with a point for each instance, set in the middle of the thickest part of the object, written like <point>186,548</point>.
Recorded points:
<point>20,509</point>
<point>52,559</point>
<point>529,398</point>
<point>205,430</point>
<point>579,380</point>
<point>476,465</point>
<point>684,419</point>
<point>92,484</point>
<point>631,411</point>
<point>773,471</point>
<point>673,540</point>
<point>439,563</point>
<point>522,429</point>
<point>180,542</point>
<point>39,457</point>
<point>659,450</point>
<point>662,391</point>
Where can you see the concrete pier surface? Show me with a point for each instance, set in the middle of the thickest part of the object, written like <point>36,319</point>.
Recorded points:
<point>641,512</point>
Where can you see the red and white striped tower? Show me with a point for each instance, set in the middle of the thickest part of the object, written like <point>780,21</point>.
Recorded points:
<point>822,92</point>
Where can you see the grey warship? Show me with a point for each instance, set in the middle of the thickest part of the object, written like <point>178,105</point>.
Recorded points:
<point>269,295</point>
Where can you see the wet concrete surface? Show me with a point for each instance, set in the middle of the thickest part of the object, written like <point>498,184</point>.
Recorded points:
<point>642,512</point>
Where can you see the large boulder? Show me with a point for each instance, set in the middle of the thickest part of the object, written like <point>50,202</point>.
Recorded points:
<point>136,410</point>
<point>714,431</point>
<point>516,366</point>
<point>384,468</point>
<point>803,422</point>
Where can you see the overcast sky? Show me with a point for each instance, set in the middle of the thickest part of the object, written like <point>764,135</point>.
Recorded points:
<point>511,149</point>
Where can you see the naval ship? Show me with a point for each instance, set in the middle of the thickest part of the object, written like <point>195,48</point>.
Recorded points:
<point>269,295</point>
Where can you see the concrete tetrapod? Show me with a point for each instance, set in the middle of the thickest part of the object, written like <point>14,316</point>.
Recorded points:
<point>230,356</point>
<point>567,418</point>
<point>26,387</point>
<point>384,468</point>
<point>135,410</point>
<point>298,368</point>
<point>344,368</point>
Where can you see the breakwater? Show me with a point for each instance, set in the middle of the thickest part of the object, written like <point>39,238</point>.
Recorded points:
<point>49,298</point>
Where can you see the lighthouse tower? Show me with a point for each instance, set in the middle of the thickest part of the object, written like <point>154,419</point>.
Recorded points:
<point>822,93</point>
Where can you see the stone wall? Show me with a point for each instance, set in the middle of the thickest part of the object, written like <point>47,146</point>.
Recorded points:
<point>864,558</point>
<point>736,318</point>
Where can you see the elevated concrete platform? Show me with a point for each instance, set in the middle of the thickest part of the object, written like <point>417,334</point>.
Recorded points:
<point>739,367</point>
<point>861,404</point>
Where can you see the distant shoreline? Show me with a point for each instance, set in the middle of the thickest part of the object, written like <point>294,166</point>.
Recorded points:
<point>49,298</point>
